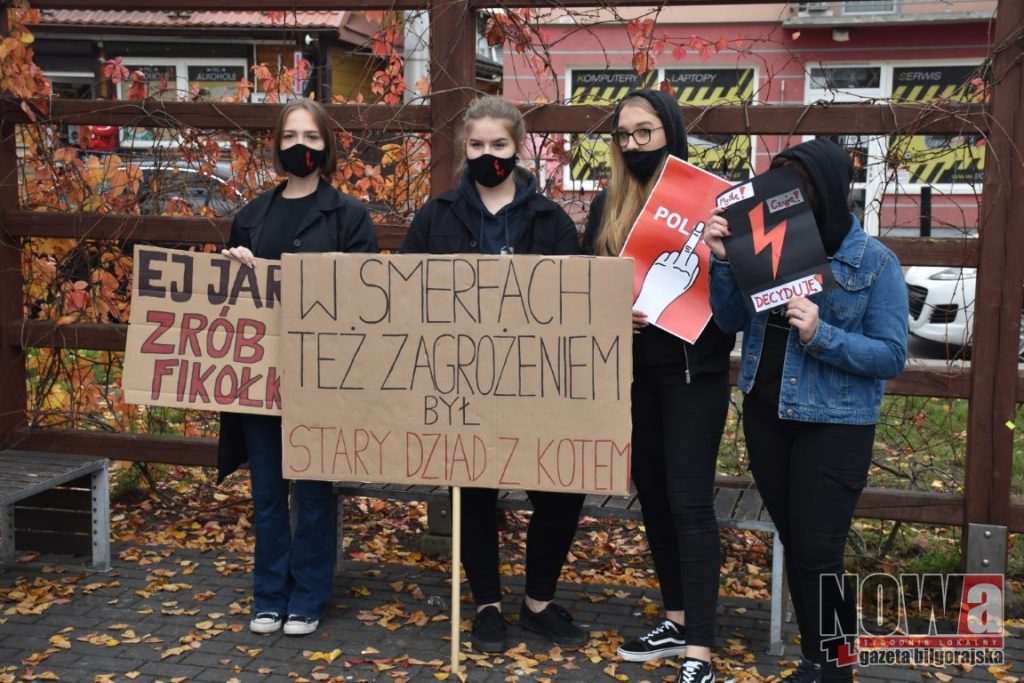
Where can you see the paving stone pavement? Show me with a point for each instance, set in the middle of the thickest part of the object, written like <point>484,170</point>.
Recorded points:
<point>182,615</point>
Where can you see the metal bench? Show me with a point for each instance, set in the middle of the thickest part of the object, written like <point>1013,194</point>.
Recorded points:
<point>53,502</point>
<point>738,505</point>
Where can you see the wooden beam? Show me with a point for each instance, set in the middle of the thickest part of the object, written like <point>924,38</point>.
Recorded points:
<point>997,303</point>
<point>923,507</point>
<point>77,225</point>
<point>773,119</point>
<point>13,394</point>
<point>923,251</point>
<point>174,450</point>
<point>222,115</point>
<point>921,378</point>
<point>452,85</point>
<point>550,118</point>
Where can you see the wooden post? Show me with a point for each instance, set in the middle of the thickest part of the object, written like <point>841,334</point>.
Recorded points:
<point>452,79</point>
<point>13,395</point>
<point>997,303</point>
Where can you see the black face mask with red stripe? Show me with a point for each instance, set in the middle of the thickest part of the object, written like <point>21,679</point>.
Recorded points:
<point>491,171</point>
<point>300,160</point>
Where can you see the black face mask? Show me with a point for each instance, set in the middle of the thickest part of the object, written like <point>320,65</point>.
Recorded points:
<point>642,164</point>
<point>491,171</point>
<point>300,160</point>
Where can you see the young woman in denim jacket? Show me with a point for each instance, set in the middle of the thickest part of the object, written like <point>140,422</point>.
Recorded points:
<point>812,374</point>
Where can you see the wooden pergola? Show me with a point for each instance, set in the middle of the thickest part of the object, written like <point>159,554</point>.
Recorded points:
<point>992,384</point>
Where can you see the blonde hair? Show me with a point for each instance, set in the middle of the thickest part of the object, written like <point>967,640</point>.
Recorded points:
<point>323,124</point>
<point>491,107</point>
<point>625,194</point>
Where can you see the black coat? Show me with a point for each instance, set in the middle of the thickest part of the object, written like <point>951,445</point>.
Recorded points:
<point>335,222</point>
<point>448,225</point>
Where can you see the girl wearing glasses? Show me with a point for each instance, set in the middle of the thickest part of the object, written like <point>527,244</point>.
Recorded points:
<point>680,401</point>
<point>496,209</point>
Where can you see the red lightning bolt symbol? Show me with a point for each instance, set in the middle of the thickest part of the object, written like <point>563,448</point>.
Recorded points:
<point>762,240</point>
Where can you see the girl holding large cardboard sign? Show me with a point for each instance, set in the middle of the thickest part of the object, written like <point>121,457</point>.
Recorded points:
<point>496,209</point>
<point>812,375</point>
<point>292,576</point>
<point>680,401</point>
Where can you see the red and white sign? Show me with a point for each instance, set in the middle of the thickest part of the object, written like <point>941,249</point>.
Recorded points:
<point>672,263</point>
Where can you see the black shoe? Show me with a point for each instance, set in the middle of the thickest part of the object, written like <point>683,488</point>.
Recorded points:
<point>488,633</point>
<point>664,640</point>
<point>555,624</point>
<point>807,672</point>
<point>696,671</point>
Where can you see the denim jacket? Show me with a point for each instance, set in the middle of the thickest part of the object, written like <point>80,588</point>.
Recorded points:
<point>861,338</point>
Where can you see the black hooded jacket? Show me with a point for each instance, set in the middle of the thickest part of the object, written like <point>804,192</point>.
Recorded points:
<point>334,222</point>
<point>451,223</point>
<point>654,346</point>
<point>830,170</point>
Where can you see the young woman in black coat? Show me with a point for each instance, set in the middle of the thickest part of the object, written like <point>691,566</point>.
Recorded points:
<point>293,575</point>
<point>496,209</point>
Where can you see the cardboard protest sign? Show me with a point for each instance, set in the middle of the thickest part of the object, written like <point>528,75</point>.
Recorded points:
<point>463,370</point>
<point>204,332</point>
<point>775,249</point>
<point>670,279</point>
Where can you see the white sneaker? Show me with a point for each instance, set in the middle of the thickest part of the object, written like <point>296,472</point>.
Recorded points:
<point>300,626</point>
<point>266,622</point>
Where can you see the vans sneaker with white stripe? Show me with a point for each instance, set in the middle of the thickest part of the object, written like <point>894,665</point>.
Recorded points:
<point>664,640</point>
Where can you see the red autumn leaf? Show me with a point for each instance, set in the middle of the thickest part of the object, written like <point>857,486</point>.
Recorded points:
<point>722,43</point>
<point>115,70</point>
<point>679,53</point>
<point>643,62</point>
<point>138,89</point>
<point>666,87</point>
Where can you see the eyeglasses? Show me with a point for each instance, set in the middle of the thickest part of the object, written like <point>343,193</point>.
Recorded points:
<point>641,136</point>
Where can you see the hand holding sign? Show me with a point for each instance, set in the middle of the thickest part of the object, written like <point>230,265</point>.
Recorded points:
<point>802,314</point>
<point>670,276</point>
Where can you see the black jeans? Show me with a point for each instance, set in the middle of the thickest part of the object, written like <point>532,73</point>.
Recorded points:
<point>810,476</point>
<point>677,428</point>
<point>548,538</point>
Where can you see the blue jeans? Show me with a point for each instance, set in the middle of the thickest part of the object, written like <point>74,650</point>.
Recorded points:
<point>292,574</point>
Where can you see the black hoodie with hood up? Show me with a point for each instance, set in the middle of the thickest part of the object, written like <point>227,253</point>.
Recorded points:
<point>830,170</point>
<point>654,346</point>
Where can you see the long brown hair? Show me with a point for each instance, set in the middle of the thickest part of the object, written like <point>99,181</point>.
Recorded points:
<point>626,195</point>
<point>323,124</point>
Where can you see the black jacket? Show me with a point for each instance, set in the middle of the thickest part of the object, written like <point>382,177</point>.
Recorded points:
<point>654,346</point>
<point>335,222</point>
<point>448,225</point>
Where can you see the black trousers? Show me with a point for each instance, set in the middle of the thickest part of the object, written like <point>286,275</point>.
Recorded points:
<point>677,428</point>
<point>548,538</point>
<point>810,476</point>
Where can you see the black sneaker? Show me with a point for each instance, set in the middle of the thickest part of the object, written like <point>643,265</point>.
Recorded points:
<point>696,671</point>
<point>807,672</point>
<point>664,640</point>
<point>488,633</point>
<point>555,624</point>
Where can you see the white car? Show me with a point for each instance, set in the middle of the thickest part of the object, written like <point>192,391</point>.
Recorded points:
<point>942,305</point>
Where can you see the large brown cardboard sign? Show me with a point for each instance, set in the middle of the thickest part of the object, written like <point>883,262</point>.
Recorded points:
<point>464,370</point>
<point>204,332</point>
